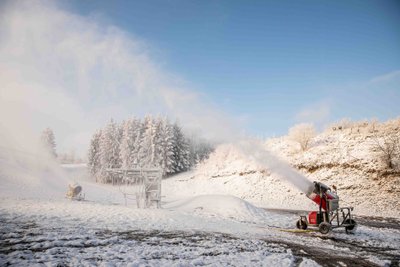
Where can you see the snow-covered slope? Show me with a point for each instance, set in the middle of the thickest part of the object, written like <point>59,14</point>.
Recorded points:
<point>349,160</point>
<point>346,158</point>
<point>230,173</point>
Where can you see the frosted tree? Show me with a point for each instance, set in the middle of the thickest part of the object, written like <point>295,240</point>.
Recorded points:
<point>166,147</point>
<point>48,140</point>
<point>128,142</point>
<point>153,142</point>
<point>158,148</point>
<point>388,143</point>
<point>204,150</point>
<point>302,134</point>
<point>110,150</point>
<point>94,163</point>
<point>199,149</point>
<point>138,132</point>
<point>148,143</point>
<point>180,150</point>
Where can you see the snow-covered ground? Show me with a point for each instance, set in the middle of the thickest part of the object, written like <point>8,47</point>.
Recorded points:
<point>197,230</point>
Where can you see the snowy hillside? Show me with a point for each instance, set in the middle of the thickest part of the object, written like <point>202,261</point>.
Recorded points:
<point>203,221</point>
<point>346,158</point>
<point>351,161</point>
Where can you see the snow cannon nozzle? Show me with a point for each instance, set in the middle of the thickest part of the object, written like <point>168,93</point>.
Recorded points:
<point>320,187</point>
<point>321,194</point>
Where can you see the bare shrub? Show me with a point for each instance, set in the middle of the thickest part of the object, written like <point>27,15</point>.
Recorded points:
<point>302,134</point>
<point>341,125</point>
<point>389,147</point>
<point>373,126</point>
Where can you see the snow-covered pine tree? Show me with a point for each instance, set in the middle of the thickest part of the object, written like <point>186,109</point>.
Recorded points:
<point>48,140</point>
<point>199,149</point>
<point>138,132</point>
<point>166,160</point>
<point>94,163</point>
<point>180,150</point>
<point>204,149</point>
<point>128,144</point>
<point>146,142</point>
<point>193,142</point>
<point>157,142</point>
<point>147,152</point>
<point>109,150</point>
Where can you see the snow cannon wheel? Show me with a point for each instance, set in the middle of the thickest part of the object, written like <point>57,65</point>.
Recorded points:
<point>324,228</point>
<point>301,224</point>
<point>351,229</point>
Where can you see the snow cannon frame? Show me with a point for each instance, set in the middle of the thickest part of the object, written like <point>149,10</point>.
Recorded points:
<point>329,215</point>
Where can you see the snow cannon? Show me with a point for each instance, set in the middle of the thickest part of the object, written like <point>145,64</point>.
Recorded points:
<point>75,192</point>
<point>329,214</point>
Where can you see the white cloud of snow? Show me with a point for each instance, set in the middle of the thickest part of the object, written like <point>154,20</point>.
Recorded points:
<point>73,73</point>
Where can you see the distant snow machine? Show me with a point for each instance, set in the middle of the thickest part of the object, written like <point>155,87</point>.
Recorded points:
<point>75,192</point>
<point>329,215</point>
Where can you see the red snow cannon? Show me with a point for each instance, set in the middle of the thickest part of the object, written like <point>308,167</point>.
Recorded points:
<point>329,214</point>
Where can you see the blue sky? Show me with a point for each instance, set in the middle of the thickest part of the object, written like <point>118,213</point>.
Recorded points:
<point>272,63</point>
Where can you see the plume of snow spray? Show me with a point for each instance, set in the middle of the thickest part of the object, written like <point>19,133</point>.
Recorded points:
<point>27,169</point>
<point>255,150</point>
<point>72,73</point>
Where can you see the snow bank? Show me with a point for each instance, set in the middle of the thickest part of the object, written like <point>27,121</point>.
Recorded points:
<point>224,206</point>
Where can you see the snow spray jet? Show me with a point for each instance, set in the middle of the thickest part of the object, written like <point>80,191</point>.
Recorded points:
<point>256,151</point>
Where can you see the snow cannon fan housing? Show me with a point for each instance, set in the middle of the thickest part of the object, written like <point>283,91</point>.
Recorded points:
<point>322,195</point>
<point>75,192</point>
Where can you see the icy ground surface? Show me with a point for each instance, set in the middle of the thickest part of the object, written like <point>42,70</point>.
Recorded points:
<point>31,243</point>
<point>88,233</point>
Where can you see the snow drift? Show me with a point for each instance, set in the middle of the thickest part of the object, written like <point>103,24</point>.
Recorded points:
<point>224,206</point>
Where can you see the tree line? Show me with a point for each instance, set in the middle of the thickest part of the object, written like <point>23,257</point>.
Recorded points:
<point>144,143</point>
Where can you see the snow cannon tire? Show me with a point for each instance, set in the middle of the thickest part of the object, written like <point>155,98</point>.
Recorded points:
<point>324,228</point>
<point>301,224</point>
<point>352,228</point>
